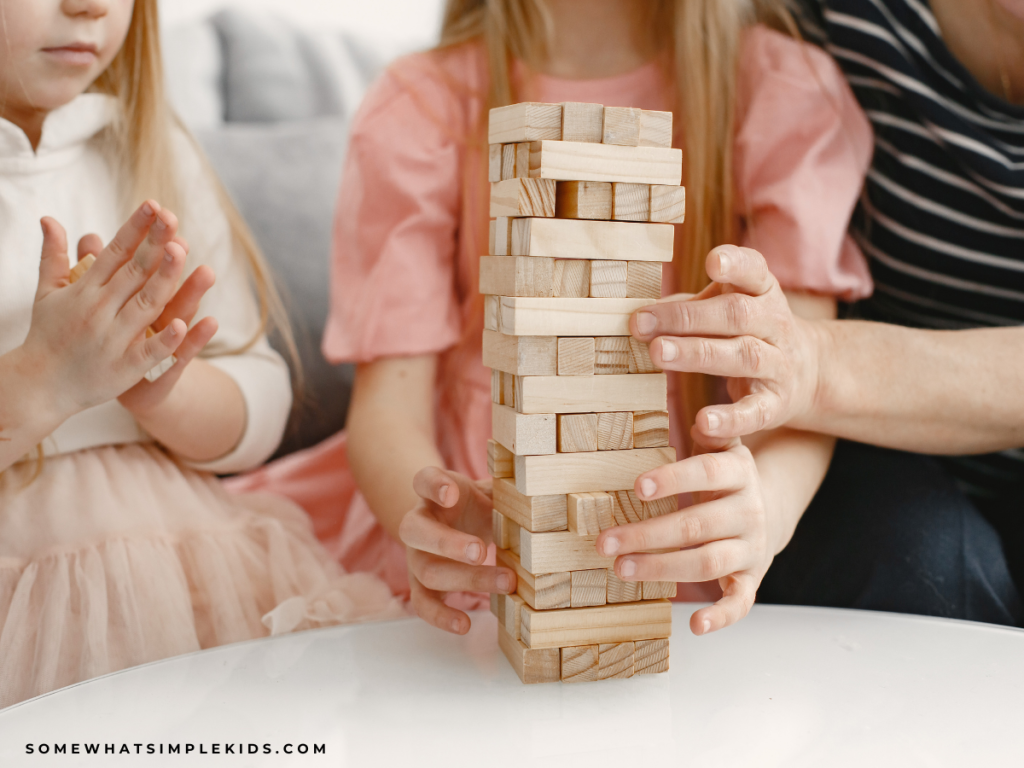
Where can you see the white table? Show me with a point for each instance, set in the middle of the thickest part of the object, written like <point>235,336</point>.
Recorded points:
<point>786,687</point>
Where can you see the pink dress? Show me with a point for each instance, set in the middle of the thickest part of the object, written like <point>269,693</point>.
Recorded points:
<point>412,224</point>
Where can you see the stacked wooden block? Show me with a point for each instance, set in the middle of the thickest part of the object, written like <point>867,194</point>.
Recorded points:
<point>582,202</point>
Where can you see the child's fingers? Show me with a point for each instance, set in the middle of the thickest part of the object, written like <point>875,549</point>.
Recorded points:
<point>89,244</point>
<point>130,278</point>
<point>429,606</point>
<point>444,575</point>
<point>750,414</point>
<point>737,599</point>
<point>185,303</point>
<point>149,352</point>
<point>197,338</point>
<point>150,301</point>
<point>739,357</point>
<point>125,242</point>
<point>722,471</point>
<point>712,521</point>
<point>422,531</point>
<point>711,561</point>
<point>53,263</point>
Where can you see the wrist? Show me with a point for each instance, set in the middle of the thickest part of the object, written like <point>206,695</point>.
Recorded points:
<point>818,343</point>
<point>32,394</point>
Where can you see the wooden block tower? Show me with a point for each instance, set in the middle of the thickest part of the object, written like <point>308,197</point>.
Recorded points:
<point>583,198</point>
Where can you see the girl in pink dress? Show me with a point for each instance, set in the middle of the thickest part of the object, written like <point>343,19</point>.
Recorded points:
<point>775,150</point>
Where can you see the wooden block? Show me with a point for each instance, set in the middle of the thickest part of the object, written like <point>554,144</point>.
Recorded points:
<point>584,472</point>
<point>643,280</point>
<point>576,356</point>
<point>517,316</point>
<point>508,389</point>
<point>590,513</point>
<point>608,279</point>
<point>655,128</point>
<point>533,665</point>
<point>614,431</point>
<point>659,507</point>
<point>523,197</point>
<point>583,200</point>
<point>536,513</point>
<point>560,552</point>
<point>640,355</point>
<point>512,613</point>
<point>621,126</point>
<point>611,355</point>
<point>615,660</point>
<point>590,394</point>
<point>582,122</point>
<point>627,507</point>
<point>513,538</point>
<point>533,434</point>
<point>588,587</point>
<point>630,202</point>
<point>650,429</point>
<point>593,626</point>
<point>650,656</point>
<point>502,236</point>
<point>579,664</point>
<point>527,121</point>
<point>583,239</point>
<point>508,162</point>
<point>81,268</point>
<point>494,152</point>
<point>523,160</point>
<point>577,432</point>
<point>668,204</point>
<point>572,278</point>
<point>620,591</point>
<point>582,161</point>
<point>500,529</point>
<point>521,355</point>
<point>496,388</point>
<point>500,461</point>
<point>491,234</point>
<point>543,591</point>
<point>657,590</point>
<point>517,276</point>
<point>497,606</point>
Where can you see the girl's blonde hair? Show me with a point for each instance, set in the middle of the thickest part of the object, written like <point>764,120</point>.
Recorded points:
<point>702,42</point>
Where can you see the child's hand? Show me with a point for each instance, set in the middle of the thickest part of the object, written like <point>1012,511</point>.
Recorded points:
<point>724,536</point>
<point>447,535</point>
<point>86,344</point>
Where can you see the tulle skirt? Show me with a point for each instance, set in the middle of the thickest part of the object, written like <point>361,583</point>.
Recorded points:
<point>118,556</point>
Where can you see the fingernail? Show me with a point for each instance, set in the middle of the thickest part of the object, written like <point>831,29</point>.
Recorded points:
<point>168,257</point>
<point>172,329</point>
<point>668,350</point>
<point>504,582</point>
<point>442,494</point>
<point>160,225</point>
<point>707,626</point>
<point>714,421</point>
<point>473,553</point>
<point>723,263</point>
<point>456,626</point>
<point>646,322</point>
<point>147,209</point>
<point>648,487</point>
<point>611,546</point>
<point>628,568</point>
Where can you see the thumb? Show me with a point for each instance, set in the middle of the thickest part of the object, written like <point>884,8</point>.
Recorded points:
<point>53,265</point>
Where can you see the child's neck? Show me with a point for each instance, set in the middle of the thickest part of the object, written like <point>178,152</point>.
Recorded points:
<point>598,38</point>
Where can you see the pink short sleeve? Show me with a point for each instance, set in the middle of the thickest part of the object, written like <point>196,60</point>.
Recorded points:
<point>803,147</point>
<point>393,260</point>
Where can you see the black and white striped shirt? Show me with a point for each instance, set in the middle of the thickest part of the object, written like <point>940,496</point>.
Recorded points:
<point>942,217</point>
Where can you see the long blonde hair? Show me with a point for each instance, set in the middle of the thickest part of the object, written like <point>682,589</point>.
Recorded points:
<point>702,39</point>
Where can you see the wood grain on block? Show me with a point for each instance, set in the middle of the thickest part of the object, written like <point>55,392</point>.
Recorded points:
<point>576,356</point>
<point>508,389</point>
<point>491,234</point>
<point>527,121</point>
<point>582,121</point>
<point>508,162</point>
<point>655,128</point>
<point>523,160</point>
<point>620,591</point>
<point>631,202</point>
<point>588,587</point>
<point>502,236</point>
<point>534,513</point>
<point>619,623</point>
<point>544,591</point>
<point>521,355</point>
<point>81,268</point>
<point>494,152</point>
<point>523,197</point>
<point>577,432</point>
<point>621,126</point>
<point>525,434</point>
<point>583,200</point>
<point>611,355</point>
<point>512,613</point>
<point>614,431</point>
<point>668,204</point>
<point>513,537</point>
<point>560,552</point>
<point>533,665</point>
<point>656,590</point>
<point>590,513</point>
<point>500,461</point>
<point>590,394</point>
<point>627,507</point>
<point>572,278</point>
<point>518,316</point>
<point>615,660</point>
<point>643,280</point>
<point>579,664</point>
<point>650,656</point>
<point>584,239</point>
<point>659,507</point>
<point>517,276</point>
<point>650,429</point>
<point>499,529</point>
<point>608,279</point>
<point>497,608</point>
<point>640,356</point>
<point>496,389</point>
<point>581,161</point>
<point>586,472</point>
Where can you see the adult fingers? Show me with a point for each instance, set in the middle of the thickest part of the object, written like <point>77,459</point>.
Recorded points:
<point>185,302</point>
<point>429,606</point>
<point>743,268</point>
<point>741,357</point>
<point>135,271</point>
<point>704,563</point>
<point>699,524</point>
<point>53,263</point>
<point>149,302</point>
<point>422,531</point>
<point>90,244</point>
<point>723,471</point>
<point>753,413</point>
<point>125,242</point>
<point>444,575</point>
<point>736,601</point>
<point>725,315</point>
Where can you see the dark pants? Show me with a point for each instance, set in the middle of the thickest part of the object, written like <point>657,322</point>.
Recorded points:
<point>891,531</point>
